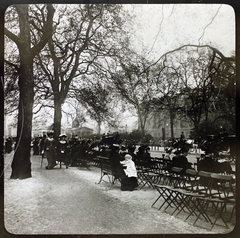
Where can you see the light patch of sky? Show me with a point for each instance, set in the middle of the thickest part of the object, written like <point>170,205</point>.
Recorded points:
<point>163,27</point>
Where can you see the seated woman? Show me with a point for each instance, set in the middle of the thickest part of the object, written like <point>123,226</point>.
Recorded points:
<point>115,159</point>
<point>129,181</point>
<point>180,160</point>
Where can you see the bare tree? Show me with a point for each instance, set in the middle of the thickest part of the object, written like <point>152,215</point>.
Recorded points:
<point>84,33</point>
<point>21,165</point>
<point>194,78</point>
<point>95,98</point>
<point>167,92</point>
<point>133,82</point>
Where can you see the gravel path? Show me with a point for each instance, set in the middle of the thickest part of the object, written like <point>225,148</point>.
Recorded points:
<point>69,201</point>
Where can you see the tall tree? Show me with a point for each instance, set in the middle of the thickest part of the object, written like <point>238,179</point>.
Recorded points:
<point>84,33</point>
<point>95,100</point>
<point>132,81</point>
<point>167,92</point>
<point>22,36</point>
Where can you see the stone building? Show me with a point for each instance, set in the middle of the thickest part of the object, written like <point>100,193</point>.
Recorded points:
<point>80,131</point>
<point>158,125</point>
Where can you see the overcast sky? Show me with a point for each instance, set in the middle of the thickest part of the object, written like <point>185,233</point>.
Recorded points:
<point>164,27</point>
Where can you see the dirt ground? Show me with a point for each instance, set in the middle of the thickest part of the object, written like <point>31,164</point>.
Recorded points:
<point>69,201</point>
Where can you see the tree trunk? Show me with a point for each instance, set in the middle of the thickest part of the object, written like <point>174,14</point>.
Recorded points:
<point>171,123</point>
<point>21,165</point>
<point>99,128</point>
<point>57,117</point>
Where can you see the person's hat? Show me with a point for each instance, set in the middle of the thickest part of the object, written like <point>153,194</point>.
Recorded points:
<point>62,135</point>
<point>127,157</point>
<point>50,133</point>
<point>123,147</point>
<point>176,152</point>
<point>114,147</point>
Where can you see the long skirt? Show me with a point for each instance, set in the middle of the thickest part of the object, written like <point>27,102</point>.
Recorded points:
<point>129,183</point>
<point>50,154</point>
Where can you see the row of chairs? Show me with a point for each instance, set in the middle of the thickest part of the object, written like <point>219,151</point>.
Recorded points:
<point>204,195</point>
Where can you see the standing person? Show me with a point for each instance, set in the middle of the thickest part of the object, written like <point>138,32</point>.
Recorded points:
<point>8,145</point>
<point>50,150</point>
<point>35,146</point>
<point>62,150</point>
<point>129,181</point>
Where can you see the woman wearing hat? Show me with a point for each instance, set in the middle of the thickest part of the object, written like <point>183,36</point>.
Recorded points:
<point>180,160</point>
<point>115,159</point>
<point>62,150</point>
<point>49,150</point>
<point>129,181</point>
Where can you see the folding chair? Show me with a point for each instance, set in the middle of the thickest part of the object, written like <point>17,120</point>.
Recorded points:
<point>214,195</point>
<point>169,192</point>
<point>177,194</point>
<point>198,191</point>
<point>191,179</point>
<point>165,171</point>
<point>189,192</point>
<point>152,174</point>
<point>224,184</point>
<point>148,173</point>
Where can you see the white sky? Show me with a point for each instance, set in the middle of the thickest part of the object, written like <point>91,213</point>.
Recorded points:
<point>173,25</point>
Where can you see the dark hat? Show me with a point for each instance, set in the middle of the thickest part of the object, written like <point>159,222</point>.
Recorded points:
<point>50,133</point>
<point>123,147</point>
<point>177,152</point>
<point>114,147</point>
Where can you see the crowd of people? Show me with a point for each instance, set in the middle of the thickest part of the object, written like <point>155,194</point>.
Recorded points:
<point>125,158</point>
<point>71,151</point>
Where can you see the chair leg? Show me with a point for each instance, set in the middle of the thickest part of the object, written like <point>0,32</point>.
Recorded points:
<point>233,210</point>
<point>201,207</point>
<point>219,215</point>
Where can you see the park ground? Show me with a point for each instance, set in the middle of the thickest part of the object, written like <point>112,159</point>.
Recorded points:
<point>70,201</point>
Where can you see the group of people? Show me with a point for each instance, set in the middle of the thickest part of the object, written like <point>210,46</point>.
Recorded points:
<point>123,166</point>
<point>55,150</point>
<point>124,159</point>
<point>70,151</point>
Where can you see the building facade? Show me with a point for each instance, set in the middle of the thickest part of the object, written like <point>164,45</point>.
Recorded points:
<point>82,132</point>
<point>159,127</point>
